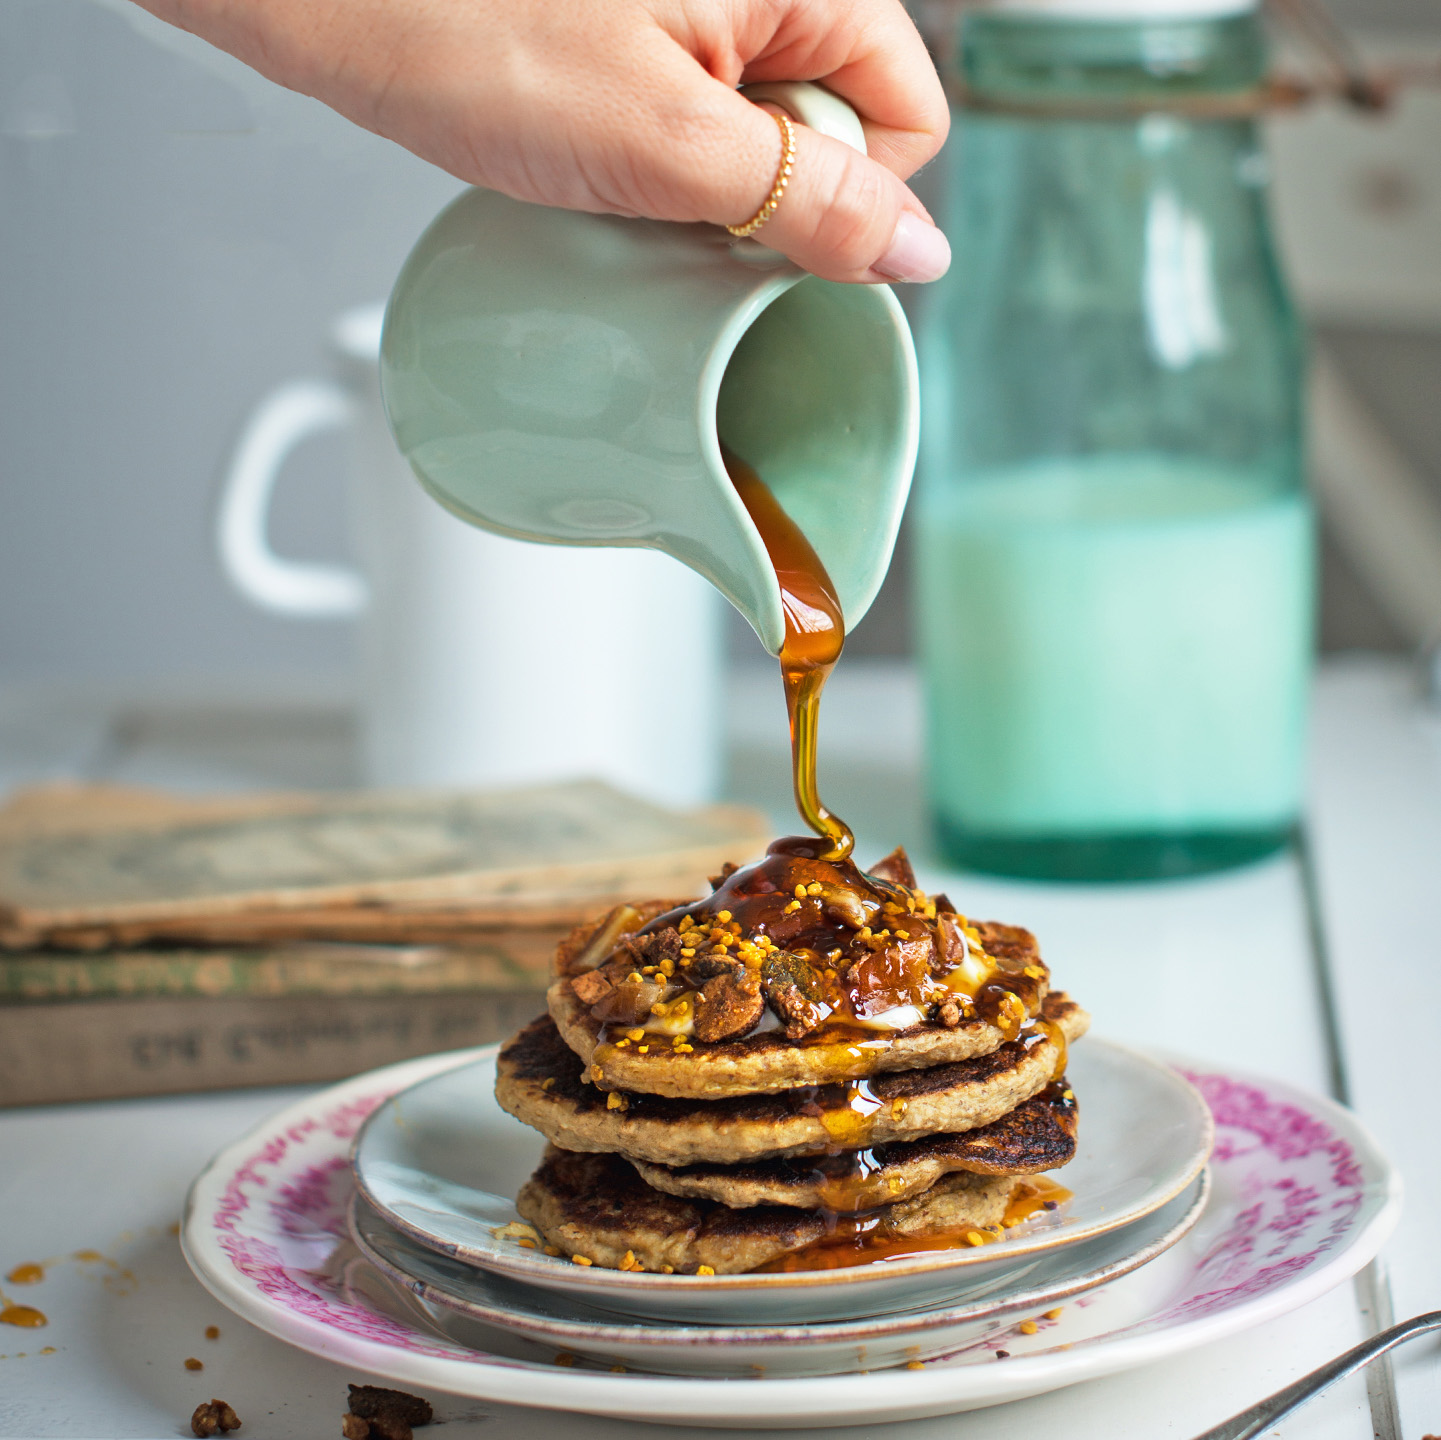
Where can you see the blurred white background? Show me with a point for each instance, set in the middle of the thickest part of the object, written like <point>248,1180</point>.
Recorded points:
<point>176,235</point>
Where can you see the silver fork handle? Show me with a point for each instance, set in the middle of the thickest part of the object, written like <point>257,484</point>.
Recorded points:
<point>1267,1412</point>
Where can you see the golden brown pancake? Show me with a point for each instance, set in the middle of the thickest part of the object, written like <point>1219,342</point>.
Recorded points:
<point>767,1061</point>
<point>597,1207</point>
<point>756,1017</point>
<point>1039,1134</point>
<point>541,1081</point>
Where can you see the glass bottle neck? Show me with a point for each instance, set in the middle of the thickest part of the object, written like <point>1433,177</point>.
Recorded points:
<point>1028,57</point>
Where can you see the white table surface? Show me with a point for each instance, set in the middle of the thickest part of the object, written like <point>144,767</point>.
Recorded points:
<point>1225,968</point>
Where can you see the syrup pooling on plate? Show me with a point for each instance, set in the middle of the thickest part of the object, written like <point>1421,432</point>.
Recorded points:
<point>815,633</point>
<point>865,1240</point>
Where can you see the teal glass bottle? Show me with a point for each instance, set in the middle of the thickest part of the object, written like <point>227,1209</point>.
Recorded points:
<point>1115,549</point>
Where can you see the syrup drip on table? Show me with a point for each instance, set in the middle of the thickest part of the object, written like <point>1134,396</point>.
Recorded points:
<point>864,1239</point>
<point>815,633</point>
<point>27,1317</point>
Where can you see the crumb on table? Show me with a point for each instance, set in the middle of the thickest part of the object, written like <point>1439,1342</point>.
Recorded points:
<point>379,1414</point>
<point>213,1417</point>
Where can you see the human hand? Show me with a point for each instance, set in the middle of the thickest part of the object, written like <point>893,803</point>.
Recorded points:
<point>629,106</point>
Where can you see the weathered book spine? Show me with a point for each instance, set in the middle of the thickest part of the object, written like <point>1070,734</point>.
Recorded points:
<point>507,960</point>
<point>111,1049</point>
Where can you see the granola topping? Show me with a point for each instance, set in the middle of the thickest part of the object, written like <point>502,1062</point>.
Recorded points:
<point>809,944</point>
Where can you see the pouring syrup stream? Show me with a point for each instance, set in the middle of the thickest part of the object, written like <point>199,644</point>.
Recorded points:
<point>815,633</point>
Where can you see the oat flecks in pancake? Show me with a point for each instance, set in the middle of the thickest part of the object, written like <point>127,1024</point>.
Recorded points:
<point>1039,1134</point>
<point>596,1206</point>
<point>541,1081</point>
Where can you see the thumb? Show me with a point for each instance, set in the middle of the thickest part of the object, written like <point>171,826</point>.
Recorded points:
<point>841,216</point>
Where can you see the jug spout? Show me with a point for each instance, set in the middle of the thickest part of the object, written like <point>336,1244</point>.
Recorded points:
<point>819,398</point>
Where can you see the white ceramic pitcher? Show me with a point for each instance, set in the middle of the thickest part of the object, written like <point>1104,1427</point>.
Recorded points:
<point>483,660</point>
<point>571,378</point>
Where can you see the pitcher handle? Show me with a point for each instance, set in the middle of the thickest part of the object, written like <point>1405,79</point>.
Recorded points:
<point>278,424</point>
<point>814,106</point>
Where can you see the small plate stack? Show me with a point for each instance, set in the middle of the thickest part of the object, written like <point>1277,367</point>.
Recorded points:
<point>436,1168</point>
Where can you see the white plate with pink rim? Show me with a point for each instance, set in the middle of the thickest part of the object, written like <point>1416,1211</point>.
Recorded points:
<point>773,1349</point>
<point>1300,1200</point>
<point>442,1163</point>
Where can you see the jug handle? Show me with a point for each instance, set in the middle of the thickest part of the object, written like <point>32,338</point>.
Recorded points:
<point>814,106</point>
<point>277,425</point>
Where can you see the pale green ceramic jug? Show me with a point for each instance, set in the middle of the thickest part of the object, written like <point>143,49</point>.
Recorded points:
<point>570,378</point>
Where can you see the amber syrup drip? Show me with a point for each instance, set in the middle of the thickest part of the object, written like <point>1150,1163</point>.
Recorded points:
<point>815,633</point>
<point>864,1239</point>
<point>1057,1037</point>
<point>27,1317</point>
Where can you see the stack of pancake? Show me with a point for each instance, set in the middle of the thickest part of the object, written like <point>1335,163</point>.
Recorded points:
<point>813,1066</point>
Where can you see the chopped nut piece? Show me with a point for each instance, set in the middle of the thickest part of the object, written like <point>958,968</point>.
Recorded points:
<point>949,1014</point>
<point>215,1417</point>
<point>193,1364</point>
<point>795,992</point>
<point>896,867</point>
<point>653,949</point>
<point>707,967</point>
<point>592,987</point>
<point>385,1414</point>
<point>896,972</point>
<point>730,1006</point>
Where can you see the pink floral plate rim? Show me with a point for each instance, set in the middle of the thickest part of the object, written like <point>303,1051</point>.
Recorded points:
<point>1319,1201</point>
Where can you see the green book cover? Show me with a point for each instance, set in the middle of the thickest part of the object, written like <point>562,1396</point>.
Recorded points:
<point>512,961</point>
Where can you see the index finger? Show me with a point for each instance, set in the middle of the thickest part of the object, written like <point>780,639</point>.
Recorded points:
<point>869,53</point>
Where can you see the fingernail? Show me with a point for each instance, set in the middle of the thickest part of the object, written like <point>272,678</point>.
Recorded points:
<point>918,252</point>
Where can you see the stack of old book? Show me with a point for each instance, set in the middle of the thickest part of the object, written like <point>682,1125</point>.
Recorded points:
<point>151,943</point>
